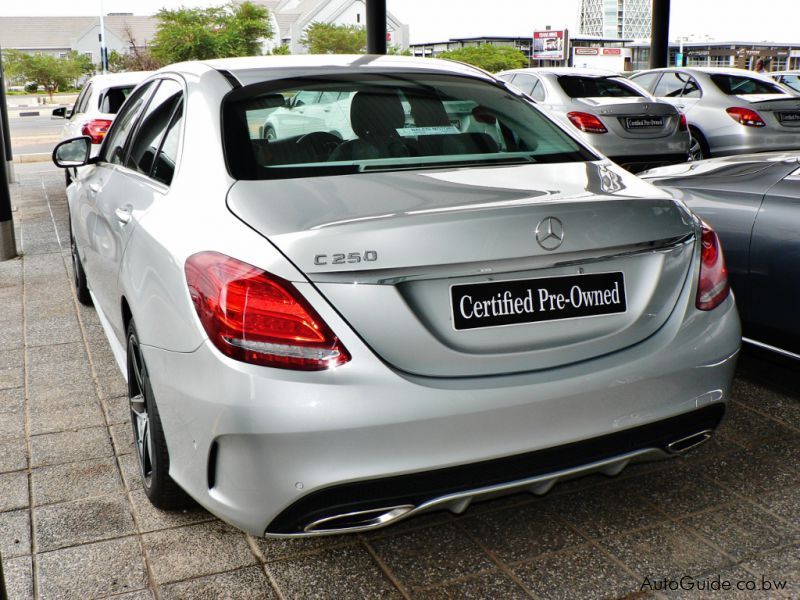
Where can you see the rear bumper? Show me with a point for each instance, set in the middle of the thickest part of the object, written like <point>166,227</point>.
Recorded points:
<point>252,443</point>
<point>455,487</point>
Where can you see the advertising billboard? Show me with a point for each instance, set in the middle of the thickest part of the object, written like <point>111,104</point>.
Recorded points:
<point>549,45</point>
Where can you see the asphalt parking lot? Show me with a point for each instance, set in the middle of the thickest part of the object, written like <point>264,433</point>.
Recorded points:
<point>74,522</point>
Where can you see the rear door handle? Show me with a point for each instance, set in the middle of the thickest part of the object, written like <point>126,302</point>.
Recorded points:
<point>124,214</point>
<point>94,188</point>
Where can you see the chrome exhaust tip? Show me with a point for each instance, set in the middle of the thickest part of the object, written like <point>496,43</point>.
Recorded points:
<point>359,521</point>
<point>690,441</point>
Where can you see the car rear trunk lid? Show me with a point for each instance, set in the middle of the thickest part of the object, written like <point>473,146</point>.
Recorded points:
<point>396,253</point>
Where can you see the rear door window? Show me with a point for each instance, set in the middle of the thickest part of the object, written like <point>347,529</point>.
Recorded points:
<point>153,125</point>
<point>671,85</point>
<point>113,150</point>
<point>596,87</point>
<point>646,80</point>
<point>111,101</point>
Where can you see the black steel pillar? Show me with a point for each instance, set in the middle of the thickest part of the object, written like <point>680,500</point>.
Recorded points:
<point>659,35</point>
<point>8,243</point>
<point>376,26</point>
<point>4,111</point>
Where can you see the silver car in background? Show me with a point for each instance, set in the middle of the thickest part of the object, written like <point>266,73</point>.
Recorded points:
<point>788,78</point>
<point>753,202</point>
<point>730,111</point>
<point>619,119</point>
<point>324,335</point>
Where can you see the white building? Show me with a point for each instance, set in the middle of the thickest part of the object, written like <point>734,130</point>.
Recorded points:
<point>616,18</point>
<point>290,19</point>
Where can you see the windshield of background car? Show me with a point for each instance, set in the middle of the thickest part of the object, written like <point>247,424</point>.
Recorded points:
<point>733,85</point>
<point>596,87</point>
<point>332,125</point>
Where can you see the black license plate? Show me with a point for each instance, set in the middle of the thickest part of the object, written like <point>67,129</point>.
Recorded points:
<point>643,122</point>
<point>499,303</point>
<point>789,117</point>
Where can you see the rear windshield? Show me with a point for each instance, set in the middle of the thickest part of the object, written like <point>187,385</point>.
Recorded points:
<point>595,87</point>
<point>733,85</point>
<point>112,99</point>
<point>345,124</point>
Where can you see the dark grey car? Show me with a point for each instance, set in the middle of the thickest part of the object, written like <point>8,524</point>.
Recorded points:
<point>753,202</point>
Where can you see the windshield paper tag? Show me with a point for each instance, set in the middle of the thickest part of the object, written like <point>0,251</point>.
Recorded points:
<point>417,131</point>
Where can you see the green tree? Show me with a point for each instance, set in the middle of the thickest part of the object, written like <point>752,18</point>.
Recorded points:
<point>216,32</point>
<point>325,38</point>
<point>47,71</point>
<point>281,50</point>
<point>488,57</point>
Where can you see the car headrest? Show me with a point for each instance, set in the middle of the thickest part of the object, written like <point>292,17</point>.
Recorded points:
<point>376,113</point>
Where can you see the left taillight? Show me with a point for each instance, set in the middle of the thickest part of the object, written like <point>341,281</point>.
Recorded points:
<point>745,116</point>
<point>256,317</point>
<point>713,286</point>
<point>96,129</point>
<point>586,122</point>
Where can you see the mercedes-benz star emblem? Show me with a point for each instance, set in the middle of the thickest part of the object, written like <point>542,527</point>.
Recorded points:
<point>550,233</point>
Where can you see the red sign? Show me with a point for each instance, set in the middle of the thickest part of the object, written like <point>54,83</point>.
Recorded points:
<point>549,45</point>
<point>612,51</point>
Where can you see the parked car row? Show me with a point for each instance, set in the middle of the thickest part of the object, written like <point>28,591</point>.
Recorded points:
<point>347,292</point>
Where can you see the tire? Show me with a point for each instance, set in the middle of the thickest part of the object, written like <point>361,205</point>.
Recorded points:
<point>269,133</point>
<point>78,274</point>
<point>151,447</point>
<point>698,147</point>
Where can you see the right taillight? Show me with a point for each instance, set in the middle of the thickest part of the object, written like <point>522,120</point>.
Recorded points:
<point>713,286</point>
<point>96,129</point>
<point>682,124</point>
<point>586,122</point>
<point>260,318</point>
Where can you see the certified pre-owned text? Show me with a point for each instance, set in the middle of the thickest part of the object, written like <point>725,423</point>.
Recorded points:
<point>506,303</point>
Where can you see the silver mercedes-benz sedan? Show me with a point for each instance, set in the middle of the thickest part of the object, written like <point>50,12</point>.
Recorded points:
<point>730,111</point>
<point>324,335</point>
<point>619,118</point>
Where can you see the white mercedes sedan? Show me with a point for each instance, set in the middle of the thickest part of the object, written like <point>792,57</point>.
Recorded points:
<point>459,299</point>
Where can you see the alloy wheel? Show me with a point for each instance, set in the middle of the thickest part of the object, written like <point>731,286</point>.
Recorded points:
<point>140,419</point>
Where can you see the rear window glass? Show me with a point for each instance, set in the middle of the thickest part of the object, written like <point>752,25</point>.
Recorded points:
<point>111,101</point>
<point>595,87</point>
<point>733,85</point>
<point>347,124</point>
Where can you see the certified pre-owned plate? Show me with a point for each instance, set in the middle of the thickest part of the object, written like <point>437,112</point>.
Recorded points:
<point>643,122</point>
<point>515,302</point>
<point>792,118</point>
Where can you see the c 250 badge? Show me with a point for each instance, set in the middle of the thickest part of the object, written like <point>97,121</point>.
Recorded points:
<point>350,257</point>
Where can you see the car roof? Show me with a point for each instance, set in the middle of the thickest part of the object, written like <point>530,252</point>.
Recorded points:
<point>251,69</point>
<point>115,79</point>
<point>575,71</point>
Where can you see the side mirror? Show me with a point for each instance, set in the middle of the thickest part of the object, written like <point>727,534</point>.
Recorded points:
<point>73,152</point>
<point>61,113</point>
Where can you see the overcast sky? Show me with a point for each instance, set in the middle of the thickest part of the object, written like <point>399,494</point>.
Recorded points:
<point>433,20</point>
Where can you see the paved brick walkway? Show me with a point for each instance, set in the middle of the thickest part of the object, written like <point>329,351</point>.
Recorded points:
<point>74,522</point>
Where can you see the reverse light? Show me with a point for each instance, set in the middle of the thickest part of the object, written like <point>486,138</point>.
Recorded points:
<point>745,116</point>
<point>586,122</point>
<point>683,124</point>
<point>96,129</point>
<point>713,286</point>
<point>259,318</point>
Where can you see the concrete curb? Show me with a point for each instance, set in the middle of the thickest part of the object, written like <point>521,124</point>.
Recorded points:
<point>34,157</point>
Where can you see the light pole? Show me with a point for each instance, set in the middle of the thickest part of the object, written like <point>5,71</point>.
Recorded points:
<point>103,49</point>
